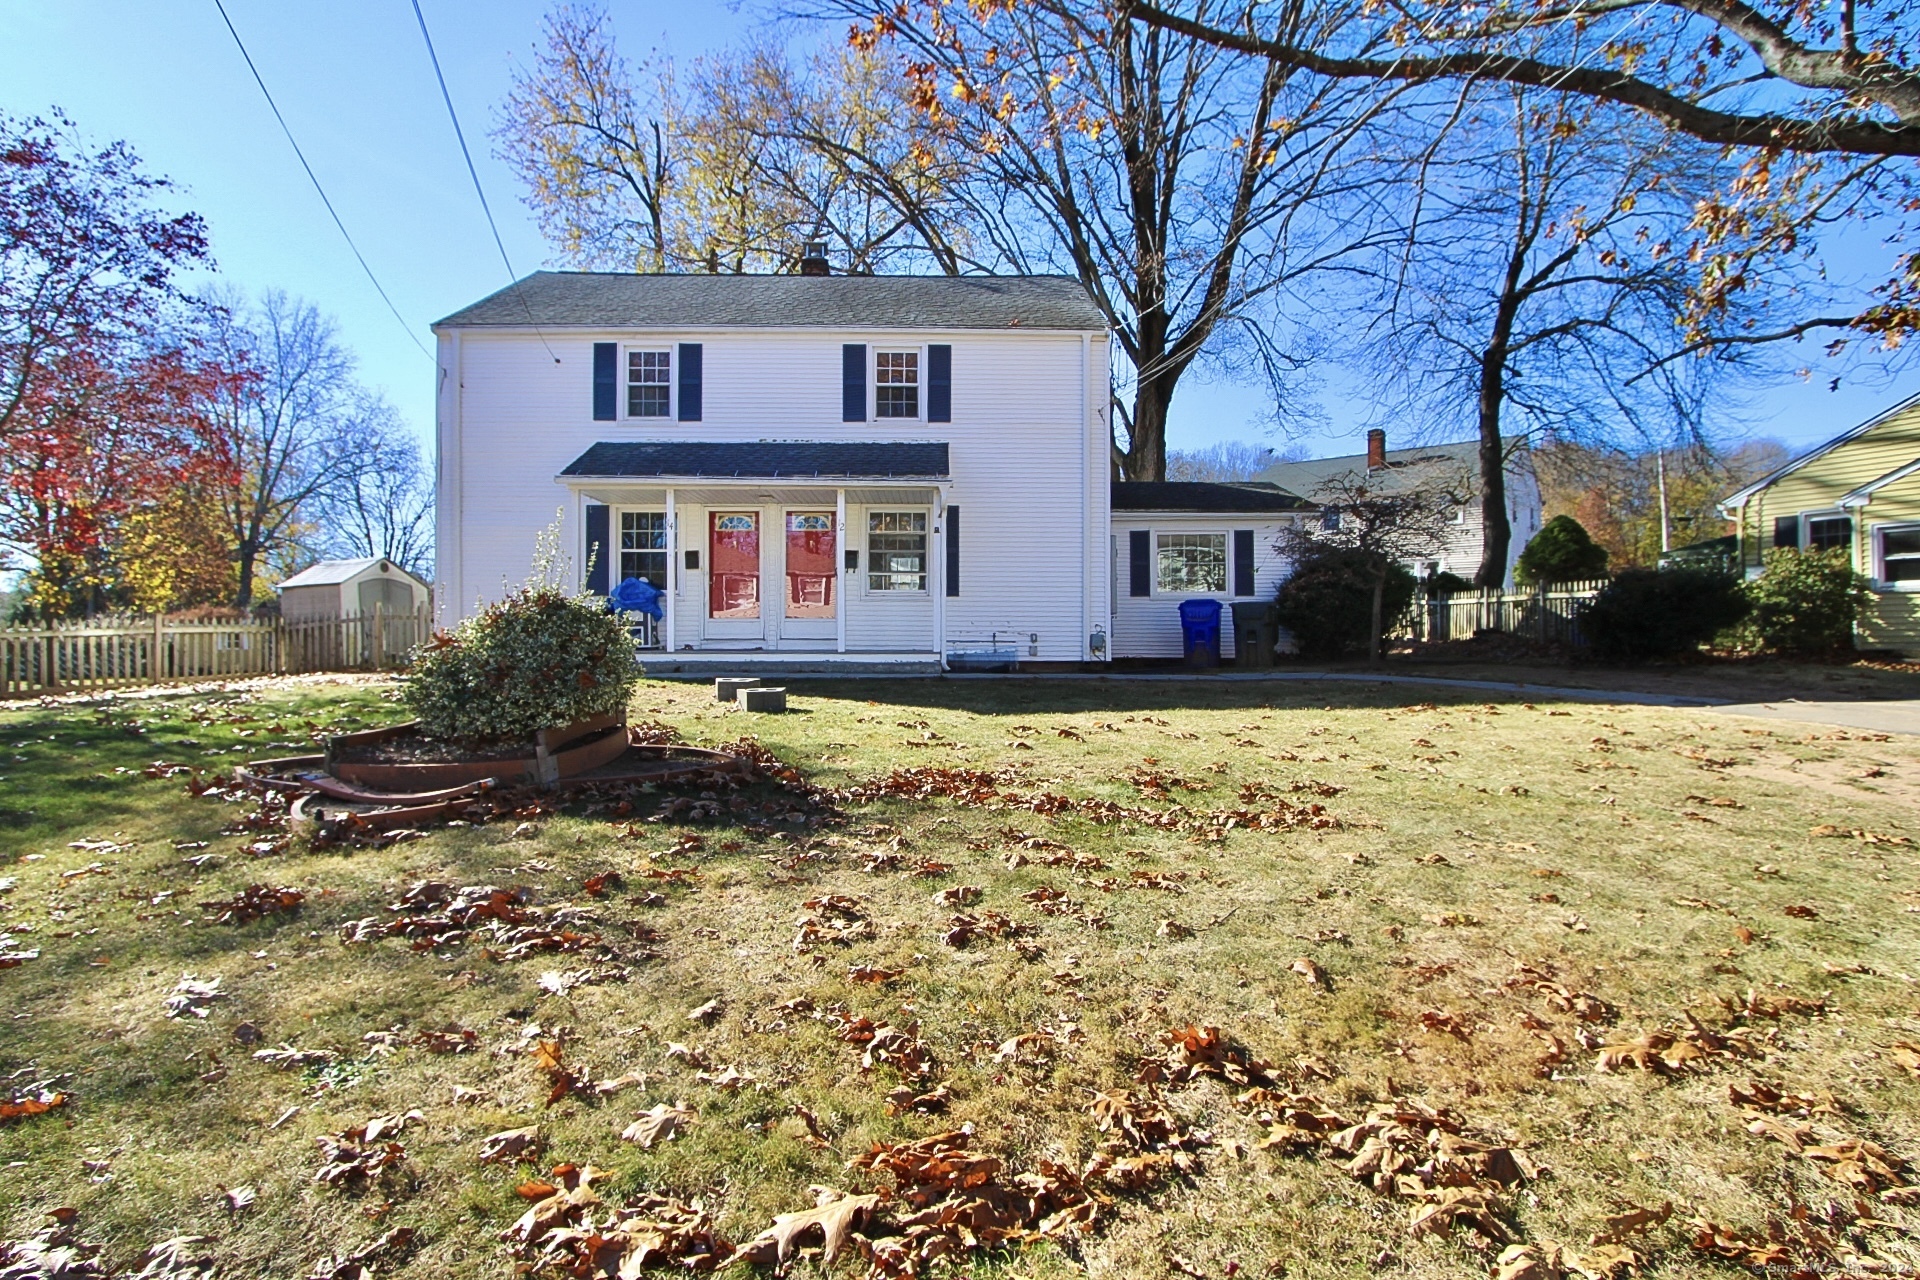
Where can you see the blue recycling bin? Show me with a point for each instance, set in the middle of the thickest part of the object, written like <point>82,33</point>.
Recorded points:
<point>1200,632</point>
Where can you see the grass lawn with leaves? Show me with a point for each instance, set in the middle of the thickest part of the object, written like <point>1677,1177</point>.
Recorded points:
<point>1497,986</point>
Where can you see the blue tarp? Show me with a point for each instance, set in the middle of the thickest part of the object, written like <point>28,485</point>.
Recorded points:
<point>636,595</point>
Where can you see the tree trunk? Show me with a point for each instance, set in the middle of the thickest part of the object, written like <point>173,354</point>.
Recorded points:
<point>243,593</point>
<point>1496,533</point>
<point>1379,607</point>
<point>1146,456</point>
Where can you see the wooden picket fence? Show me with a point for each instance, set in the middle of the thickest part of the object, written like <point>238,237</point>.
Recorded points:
<point>1548,615</point>
<point>119,652</point>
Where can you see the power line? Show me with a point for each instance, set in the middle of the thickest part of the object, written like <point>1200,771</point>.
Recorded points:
<point>315,179</point>
<point>512,276</point>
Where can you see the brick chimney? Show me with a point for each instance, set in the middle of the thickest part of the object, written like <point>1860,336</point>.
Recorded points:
<point>1376,449</point>
<point>813,259</point>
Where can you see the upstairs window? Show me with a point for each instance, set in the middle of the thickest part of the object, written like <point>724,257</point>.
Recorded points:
<point>897,551</point>
<point>1829,533</point>
<point>1192,562</point>
<point>643,546</point>
<point>1330,519</point>
<point>648,389</point>
<point>1900,556</point>
<point>896,384</point>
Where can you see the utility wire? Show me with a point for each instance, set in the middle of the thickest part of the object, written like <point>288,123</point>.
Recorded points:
<point>513,276</point>
<point>315,179</point>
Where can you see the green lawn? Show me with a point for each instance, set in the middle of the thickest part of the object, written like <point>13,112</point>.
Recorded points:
<point>1489,895</point>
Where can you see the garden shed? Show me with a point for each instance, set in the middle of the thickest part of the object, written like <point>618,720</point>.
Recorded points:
<point>351,589</point>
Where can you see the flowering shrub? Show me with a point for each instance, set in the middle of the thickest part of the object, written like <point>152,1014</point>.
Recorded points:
<point>539,659</point>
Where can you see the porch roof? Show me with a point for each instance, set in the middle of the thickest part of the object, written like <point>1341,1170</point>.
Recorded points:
<point>810,460</point>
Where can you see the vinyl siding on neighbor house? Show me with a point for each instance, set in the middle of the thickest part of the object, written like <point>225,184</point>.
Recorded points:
<point>1027,447</point>
<point>1816,486</point>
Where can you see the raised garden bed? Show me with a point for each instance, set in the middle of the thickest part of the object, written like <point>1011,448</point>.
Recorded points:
<point>397,758</point>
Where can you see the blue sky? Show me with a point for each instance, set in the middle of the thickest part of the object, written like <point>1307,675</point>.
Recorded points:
<point>353,79</point>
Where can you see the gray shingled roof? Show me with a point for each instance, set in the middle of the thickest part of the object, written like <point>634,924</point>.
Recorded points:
<point>764,460</point>
<point>1185,495</point>
<point>1406,468</point>
<point>625,300</point>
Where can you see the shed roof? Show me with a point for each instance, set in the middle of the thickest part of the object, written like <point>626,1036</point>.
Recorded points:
<point>330,573</point>
<point>628,300</point>
<point>1186,495</point>
<point>764,460</point>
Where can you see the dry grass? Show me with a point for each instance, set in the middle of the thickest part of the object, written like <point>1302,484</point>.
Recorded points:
<point>1646,857</point>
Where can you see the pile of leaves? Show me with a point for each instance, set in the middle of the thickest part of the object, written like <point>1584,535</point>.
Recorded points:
<point>356,1157</point>
<point>1690,1046</point>
<point>563,1234</point>
<point>833,918</point>
<point>977,788</point>
<point>255,902</point>
<point>433,914</point>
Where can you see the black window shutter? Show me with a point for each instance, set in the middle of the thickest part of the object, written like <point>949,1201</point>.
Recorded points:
<point>1786,531</point>
<point>606,373</point>
<point>953,551</point>
<point>853,382</point>
<point>1139,562</point>
<point>1243,562</point>
<point>598,550</point>
<point>690,361</point>
<point>940,383</point>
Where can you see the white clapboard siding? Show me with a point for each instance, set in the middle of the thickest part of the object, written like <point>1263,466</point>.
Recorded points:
<point>1149,626</point>
<point>1027,450</point>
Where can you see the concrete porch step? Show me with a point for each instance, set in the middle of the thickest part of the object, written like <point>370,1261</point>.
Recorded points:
<point>709,664</point>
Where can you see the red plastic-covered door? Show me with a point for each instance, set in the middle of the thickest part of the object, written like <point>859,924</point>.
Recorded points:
<point>810,564</point>
<point>733,590</point>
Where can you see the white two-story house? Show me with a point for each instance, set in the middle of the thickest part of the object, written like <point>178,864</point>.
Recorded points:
<point>819,471</point>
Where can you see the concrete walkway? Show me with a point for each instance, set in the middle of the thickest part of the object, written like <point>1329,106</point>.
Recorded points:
<point>1893,716</point>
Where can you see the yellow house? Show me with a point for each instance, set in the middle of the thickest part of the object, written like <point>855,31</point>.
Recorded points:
<point>1860,492</point>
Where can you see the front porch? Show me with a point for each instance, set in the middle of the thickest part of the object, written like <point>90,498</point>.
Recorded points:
<point>706,665</point>
<point>773,557</point>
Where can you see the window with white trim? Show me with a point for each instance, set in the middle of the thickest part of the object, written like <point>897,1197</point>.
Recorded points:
<point>896,384</point>
<point>643,546</point>
<point>1829,533</point>
<point>649,386</point>
<point>1190,562</point>
<point>1899,557</point>
<point>896,551</point>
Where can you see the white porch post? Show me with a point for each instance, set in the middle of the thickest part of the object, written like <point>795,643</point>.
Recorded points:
<point>840,570</point>
<point>673,568</point>
<point>937,576</point>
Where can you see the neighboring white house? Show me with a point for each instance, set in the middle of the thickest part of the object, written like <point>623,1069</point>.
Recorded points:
<point>820,470</point>
<point>350,588</point>
<point>1180,541</point>
<point>1454,465</point>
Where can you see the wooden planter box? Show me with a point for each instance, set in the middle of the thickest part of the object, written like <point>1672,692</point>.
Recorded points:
<point>557,753</point>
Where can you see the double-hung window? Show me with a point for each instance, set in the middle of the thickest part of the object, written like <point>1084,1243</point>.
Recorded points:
<point>643,546</point>
<point>896,384</point>
<point>1900,557</point>
<point>1829,533</point>
<point>1191,562</point>
<point>896,551</point>
<point>648,386</point>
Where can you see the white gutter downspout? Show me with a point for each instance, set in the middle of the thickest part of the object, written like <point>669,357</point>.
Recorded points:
<point>840,570</point>
<point>938,577</point>
<point>673,568</point>
<point>1087,530</point>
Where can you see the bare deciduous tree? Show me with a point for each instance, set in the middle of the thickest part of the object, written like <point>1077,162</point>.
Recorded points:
<point>298,430</point>
<point>1540,286</point>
